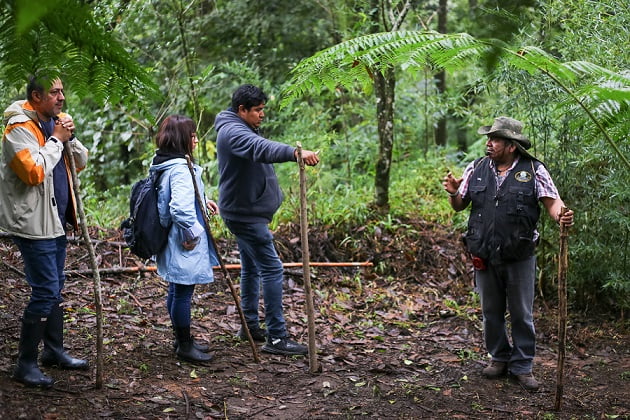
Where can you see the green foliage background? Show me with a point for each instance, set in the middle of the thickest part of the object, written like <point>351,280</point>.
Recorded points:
<point>127,64</point>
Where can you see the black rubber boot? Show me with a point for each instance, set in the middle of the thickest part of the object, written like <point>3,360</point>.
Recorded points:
<point>54,354</point>
<point>27,371</point>
<point>186,349</point>
<point>199,346</point>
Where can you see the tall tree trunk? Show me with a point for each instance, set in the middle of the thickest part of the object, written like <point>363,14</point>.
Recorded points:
<point>440,127</point>
<point>385,18</point>
<point>384,86</point>
<point>440,130</point>
<point>461,131</point>
<point>189,57</point>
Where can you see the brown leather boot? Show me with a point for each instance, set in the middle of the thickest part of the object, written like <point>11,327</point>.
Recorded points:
<point>527,381</point>
<point>495,369</point>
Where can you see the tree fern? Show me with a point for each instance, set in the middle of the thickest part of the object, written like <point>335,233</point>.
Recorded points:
<point>602,94</point>
<point>72,45</point>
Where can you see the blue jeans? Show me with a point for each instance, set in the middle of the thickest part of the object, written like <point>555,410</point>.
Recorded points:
<point>511,286</point>
<point>44,261</point>
<point>178,302</point>
<point>260,263</point>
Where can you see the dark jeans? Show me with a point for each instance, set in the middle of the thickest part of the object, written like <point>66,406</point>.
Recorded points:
<point>260,263</point>
<point>44,261</point>
<point>178,302</point>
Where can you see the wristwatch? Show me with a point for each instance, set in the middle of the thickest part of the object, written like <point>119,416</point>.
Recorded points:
<point>450,194</point>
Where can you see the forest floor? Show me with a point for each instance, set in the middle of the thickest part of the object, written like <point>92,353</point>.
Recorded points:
<point>399,340</point>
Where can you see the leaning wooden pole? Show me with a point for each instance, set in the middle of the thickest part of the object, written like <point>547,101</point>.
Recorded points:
<point>98,302</point>
<point>312,349</point>
<point>226,275</point>
<point>563,264</point>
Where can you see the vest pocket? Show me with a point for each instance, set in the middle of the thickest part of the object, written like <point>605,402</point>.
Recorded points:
<point>476,189</point>
<point>474,237</point>
<point>517,201</point>
<point>518,248</point>
<point>519,244</point>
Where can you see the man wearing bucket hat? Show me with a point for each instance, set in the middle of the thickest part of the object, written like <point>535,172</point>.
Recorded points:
<point>504,188</point>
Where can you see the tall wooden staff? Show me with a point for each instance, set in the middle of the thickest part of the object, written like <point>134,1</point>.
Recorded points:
<point>98,302</point>
<point>226,274</point>
<point>312,349</point>
<point>563,264</point>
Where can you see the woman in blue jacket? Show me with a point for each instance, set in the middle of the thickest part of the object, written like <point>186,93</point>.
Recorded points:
<point>188,257</point>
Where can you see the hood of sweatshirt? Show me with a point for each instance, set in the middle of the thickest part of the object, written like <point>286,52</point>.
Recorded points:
<point>19,111</point>
<point>230,117</point>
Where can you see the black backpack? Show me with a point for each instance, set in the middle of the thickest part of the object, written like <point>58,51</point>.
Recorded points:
<point>142,231</point>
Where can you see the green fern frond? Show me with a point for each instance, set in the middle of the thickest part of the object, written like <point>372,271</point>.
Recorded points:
<point>355,61</point>
<point>71,45</point>
<point>599,92</point>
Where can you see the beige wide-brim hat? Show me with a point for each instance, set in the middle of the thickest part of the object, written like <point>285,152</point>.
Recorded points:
<point>509,128</point>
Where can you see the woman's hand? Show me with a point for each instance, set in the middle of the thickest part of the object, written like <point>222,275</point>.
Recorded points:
<point>191,244</point>
<point>212,207</point>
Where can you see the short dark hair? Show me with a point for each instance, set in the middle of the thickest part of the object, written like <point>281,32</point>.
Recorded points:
<point>248,96</point>
<point>38,82</point>
<point>175,135</point>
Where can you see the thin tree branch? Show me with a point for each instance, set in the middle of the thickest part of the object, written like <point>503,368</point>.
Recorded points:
<point>401,16</point>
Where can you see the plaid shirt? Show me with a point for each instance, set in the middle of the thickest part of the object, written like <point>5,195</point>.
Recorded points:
<point>544,184</point>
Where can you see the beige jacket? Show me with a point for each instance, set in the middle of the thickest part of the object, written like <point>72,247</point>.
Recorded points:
<point>27,201</point>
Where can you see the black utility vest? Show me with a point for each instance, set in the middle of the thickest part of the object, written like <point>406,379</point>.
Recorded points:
<point>502,221</point>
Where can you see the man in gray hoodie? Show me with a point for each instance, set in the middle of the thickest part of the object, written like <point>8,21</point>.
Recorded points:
<point>249,196</point>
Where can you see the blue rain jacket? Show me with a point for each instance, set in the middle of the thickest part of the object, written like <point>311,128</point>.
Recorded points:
<point>177,205</point>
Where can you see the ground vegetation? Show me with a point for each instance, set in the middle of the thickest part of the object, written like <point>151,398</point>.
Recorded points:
<point>398,340</point>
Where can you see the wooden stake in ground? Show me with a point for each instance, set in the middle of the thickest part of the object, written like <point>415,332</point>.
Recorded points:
<point>312,349</point>
<point>226,275</point>
<point>98,302</point>
<point>563,264</point>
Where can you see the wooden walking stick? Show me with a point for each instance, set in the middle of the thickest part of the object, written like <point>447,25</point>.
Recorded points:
<point>312,349</point>
<point>98,302</point>
<point>563,264</point>
<point>226,275</point>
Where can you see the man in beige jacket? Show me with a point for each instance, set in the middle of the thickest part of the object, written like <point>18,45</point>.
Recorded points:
<point>37,207</point>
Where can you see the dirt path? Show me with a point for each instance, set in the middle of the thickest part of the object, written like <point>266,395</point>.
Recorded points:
<point>404,347</point>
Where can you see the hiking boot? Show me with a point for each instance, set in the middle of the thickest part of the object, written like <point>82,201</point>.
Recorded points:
<point>495,369</point>
<point>527,381</point>
<point>285,346</point>
<point>258,334</point>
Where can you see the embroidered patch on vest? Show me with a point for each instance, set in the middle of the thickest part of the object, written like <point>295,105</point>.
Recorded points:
<point>523,176</point>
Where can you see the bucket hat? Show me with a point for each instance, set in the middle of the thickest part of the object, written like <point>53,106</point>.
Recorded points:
<point>511,129</point>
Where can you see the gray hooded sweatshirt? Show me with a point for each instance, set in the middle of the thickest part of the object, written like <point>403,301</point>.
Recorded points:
<point>248,185</point>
